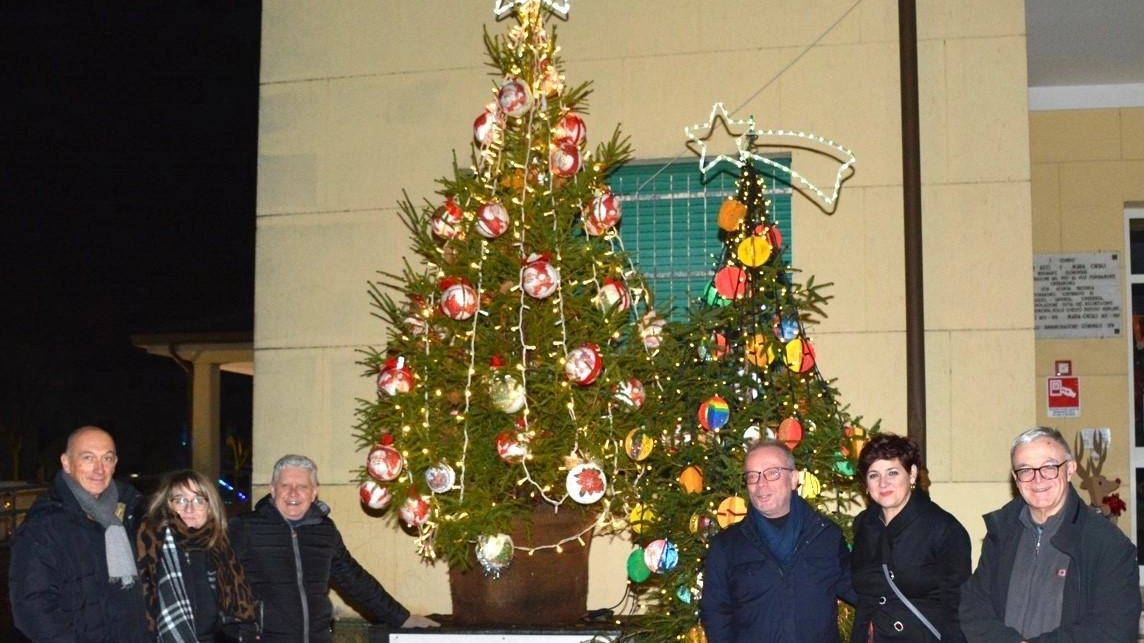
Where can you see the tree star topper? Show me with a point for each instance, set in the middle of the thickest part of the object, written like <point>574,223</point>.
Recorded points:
<point>560,7</point>
<point>749,140</point>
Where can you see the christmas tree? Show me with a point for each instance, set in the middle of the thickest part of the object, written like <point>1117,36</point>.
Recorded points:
<point>751,371</point>
<point>521,344</point>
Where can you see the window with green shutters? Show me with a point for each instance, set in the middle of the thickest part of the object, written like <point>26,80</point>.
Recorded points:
<point>668,225</point>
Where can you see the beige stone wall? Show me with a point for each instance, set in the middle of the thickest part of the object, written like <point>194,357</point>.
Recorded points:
<point>1087,165</point>
<point>363,99</point>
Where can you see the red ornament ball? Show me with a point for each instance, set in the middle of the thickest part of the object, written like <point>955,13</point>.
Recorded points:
<point>384,463</point>
<point>790,432</point>
<point>492,220</point>
<point>486,126</point>
<point>570,129</point>
<point>584,364</point>
<point>395,378</point>
<point>564,159</point>
<point>511,447</point>
<point>799,355</point>
<point>613,296</point>
<point>446,222</point>
<point>458,300</point>
<point>731,282</point>
<point>374,496</point>
<point>514,97</point>
<point>539,279</point>
<point>602,214</point>
<point>415,510</point>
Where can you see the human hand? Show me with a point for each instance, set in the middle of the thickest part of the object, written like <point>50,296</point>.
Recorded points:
<point>418,621</point>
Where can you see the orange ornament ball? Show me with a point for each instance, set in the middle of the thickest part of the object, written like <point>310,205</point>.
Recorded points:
<point>691,479</point>
<point>731,215</point>
<point>789,432</point>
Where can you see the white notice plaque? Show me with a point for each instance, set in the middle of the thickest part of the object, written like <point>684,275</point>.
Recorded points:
<point>1077,296</point>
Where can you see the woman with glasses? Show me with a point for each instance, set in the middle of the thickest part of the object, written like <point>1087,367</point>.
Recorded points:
<point>910,555</point>
<point>195,589</point>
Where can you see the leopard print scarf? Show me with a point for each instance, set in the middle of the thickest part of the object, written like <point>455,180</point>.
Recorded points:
<point>234,596</point>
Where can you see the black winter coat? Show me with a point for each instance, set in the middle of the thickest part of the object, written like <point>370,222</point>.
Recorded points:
<point>58,580</point>
<point>1102,593</point>
<point>749,597</point>
<point>291,570</point>
<point>929,555</point>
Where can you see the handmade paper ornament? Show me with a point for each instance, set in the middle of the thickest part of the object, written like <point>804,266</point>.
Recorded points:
<point>539,279</point>
<point>638,444</point>
<point>613,296</point>
<point>564,159</point>
<point>754,251</point>
<point>446,221</point>
<point>701,525</point>
<point>752,433</point>
<point>586,483</point>
<point>570,129</point>
<point>809,486</point>
<point>661,555</point>
<point>492,220</point>
<point>511,446</point>
<point>487,126</point>
<point>630,392</point>
<point>731,215</point>
<point>384,463</point>
<point>440,477</point>
<point>374,496</point>
<point>789,432</point>
<point>638,570</point>
<point>602,213</point>
<point>514,97</point>
<point>395,378</point>
<point>494,553</point>
<point>458,299</point>
<point>691,479</point>
<point>506,393</point>
<point>713,298</point>
<point>415,510</point>
<point>785,327</point>
<point>714,412</point>
<point>731,510</point>
<point>651,330</point>
<point>415,326</point>
<point>731,282</point>
<point>798,354</point>
<point>584,364</point>
<point>759,350</point>
<point>641,518</point>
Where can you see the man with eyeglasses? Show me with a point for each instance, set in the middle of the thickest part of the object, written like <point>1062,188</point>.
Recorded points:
<point>777,575</point>
<point>73,575</point>
<point>1051,568</point>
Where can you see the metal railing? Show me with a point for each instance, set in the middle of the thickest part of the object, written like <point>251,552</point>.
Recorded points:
<point>15,500</point>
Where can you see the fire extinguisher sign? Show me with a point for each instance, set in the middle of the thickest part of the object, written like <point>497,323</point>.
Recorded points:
<point>1063,396</point>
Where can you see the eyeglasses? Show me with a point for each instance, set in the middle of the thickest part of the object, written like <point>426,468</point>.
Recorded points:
<point>1048,472</point>
<point>183,501</point>
<point>772,474</point>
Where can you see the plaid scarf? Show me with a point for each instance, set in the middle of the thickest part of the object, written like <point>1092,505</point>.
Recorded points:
<point>165,588</point>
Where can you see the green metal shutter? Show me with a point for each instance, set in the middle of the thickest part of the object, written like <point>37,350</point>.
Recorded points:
<point>669,224</point>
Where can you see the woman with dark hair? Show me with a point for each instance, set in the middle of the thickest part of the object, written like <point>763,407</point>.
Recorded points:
<point>194,586</point>
<point>910,555</point>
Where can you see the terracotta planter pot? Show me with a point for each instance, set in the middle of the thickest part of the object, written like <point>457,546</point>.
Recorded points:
<point>545,588</point>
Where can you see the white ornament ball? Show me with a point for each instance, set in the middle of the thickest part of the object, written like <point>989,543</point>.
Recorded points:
<point>564,159</point>
<point>602,213</point>
<point>514,97</point>
<point>586,483</point>
<point>415,510</point>
<point>492,220</point>
<point>374,496</point>
<point>395,378</point>
<point>459,301</point>
<point>614,297</point>
<point>631,392</point>
<point>440,477</point>
<point>539,279</point>
<point>570,129</point>
<point>584,364</point>
<point>507,394</point>
<point>485,126</point>
<point>384,463</point>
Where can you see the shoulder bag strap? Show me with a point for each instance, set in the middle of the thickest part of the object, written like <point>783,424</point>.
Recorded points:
<point>907,603</point>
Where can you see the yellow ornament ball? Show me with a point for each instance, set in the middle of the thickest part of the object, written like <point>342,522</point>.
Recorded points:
<point>691,479</point>
<point>760,350</point>
<point>640,518</point>
<point>638,444</point>
<point>754,251</point>
<point>731,215</point>
<point>809,486</point>
<point>731,510</point>
<point>696,635</point>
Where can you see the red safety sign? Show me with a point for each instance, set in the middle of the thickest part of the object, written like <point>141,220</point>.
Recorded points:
<point>1063,396</point>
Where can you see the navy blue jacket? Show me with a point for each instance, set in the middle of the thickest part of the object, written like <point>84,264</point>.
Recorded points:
<point>290,569</point>
<point>749,597</point>
<point>1102,591</point>
<point>58,580</point>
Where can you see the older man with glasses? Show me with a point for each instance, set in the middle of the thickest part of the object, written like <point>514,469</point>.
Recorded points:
<point>778,574</point>
<point>1051,568</point>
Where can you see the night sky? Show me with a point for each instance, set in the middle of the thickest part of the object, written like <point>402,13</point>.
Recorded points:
<point>128,147</point>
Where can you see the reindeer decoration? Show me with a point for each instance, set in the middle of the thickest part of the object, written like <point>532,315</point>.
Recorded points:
<point>1101,490</point>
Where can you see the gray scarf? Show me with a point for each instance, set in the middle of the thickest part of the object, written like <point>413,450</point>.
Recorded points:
<point>120,558</point>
